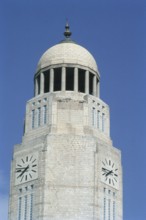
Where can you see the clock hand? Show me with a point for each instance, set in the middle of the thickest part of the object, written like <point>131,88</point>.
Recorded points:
<point>20,169</point>
<point>110,172</point>
<point>26,168</point>
<point>104,169</point>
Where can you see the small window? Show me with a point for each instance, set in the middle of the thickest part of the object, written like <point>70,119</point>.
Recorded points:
<point>109,209</point>
<point>93,116</point>
<point>25,207</point>
<point>19,208</point>
<point>114,210</point>
<point>31,206</point>
<point>44,114</point>
<point>98,119</point>
<point>103,118</point>
<point>33,118</point>
<point>104,209</point>
<point>39,117</point>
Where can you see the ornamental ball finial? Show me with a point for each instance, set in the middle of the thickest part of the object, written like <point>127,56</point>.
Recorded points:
<point>67,32</point>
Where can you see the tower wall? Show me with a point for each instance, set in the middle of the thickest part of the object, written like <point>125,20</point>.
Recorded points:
<point>66,167</point>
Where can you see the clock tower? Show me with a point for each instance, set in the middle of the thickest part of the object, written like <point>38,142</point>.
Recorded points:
<point>66,167</point>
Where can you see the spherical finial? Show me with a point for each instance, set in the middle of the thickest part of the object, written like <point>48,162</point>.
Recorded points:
<point>67,32</point>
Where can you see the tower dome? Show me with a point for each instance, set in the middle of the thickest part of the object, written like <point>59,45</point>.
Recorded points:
<point>67,52</point>
<point>67,66</point>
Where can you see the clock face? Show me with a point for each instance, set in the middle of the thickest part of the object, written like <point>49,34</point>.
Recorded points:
<point>109,173</point>
<point>26,168</point>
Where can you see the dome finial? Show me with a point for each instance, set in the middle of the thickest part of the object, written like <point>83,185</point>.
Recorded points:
<point>67,32</point>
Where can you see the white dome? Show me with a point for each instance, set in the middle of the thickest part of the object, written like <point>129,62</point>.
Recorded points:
<point>68,53</point>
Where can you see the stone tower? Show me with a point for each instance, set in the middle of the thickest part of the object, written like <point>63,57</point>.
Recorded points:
<point>66,167</point>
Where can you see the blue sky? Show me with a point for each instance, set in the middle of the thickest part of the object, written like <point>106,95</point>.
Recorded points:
<point>114,31</point>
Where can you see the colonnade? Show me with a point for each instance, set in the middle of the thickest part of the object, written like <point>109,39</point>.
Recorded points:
<point>91,82</point>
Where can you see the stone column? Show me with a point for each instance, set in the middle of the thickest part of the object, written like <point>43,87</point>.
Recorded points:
<point>36,86</point>
<point>76,79</point>
<point>94,85</point>
<point>87,82</point>
<point>63,79</point>
<point>98,89</point>
<point>41,83</point>
<point>51,80</point>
